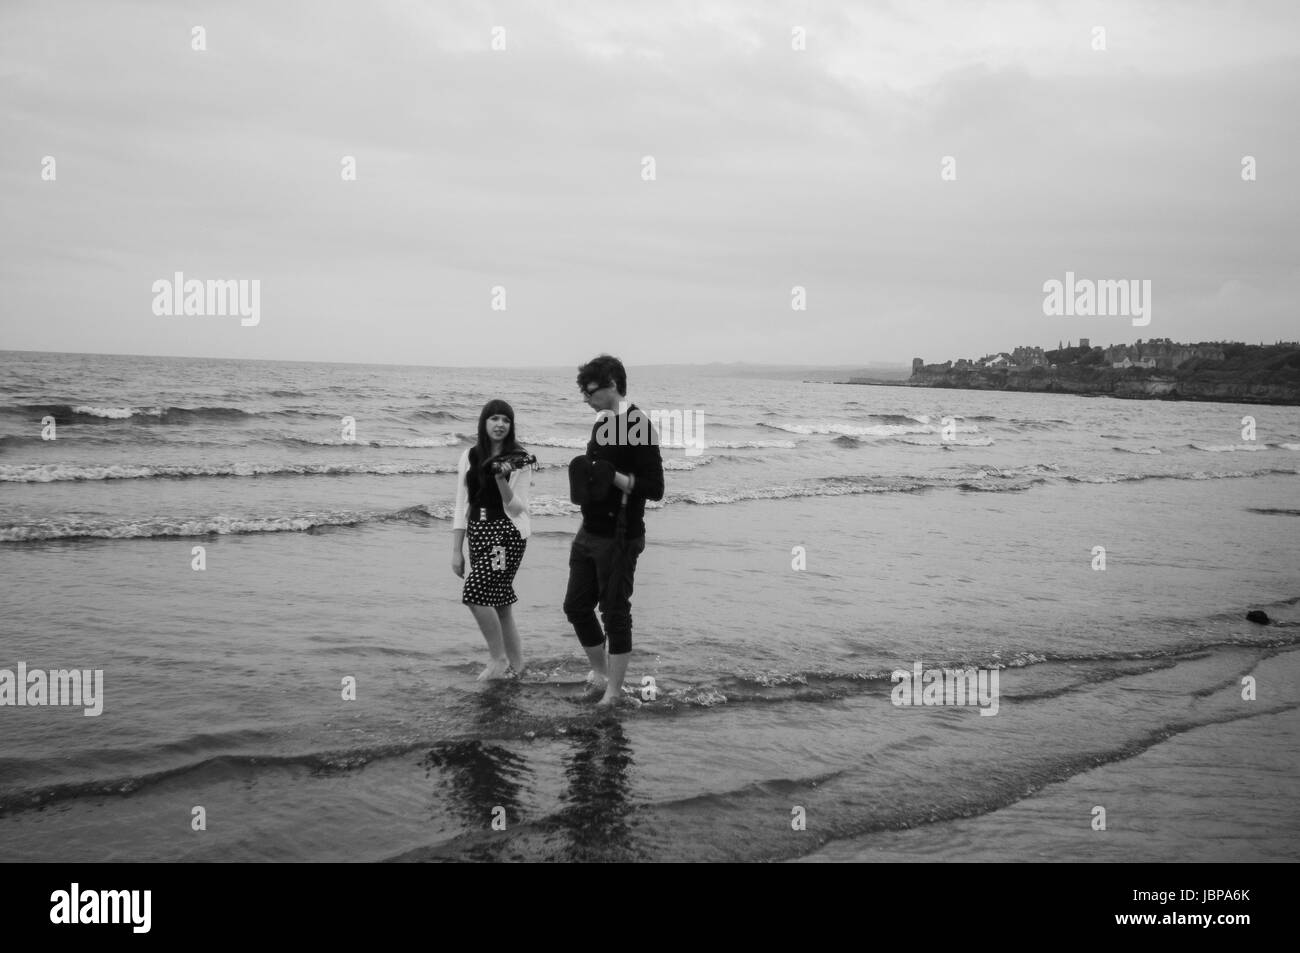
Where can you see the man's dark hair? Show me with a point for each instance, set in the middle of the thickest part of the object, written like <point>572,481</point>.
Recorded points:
<point>603,370</point>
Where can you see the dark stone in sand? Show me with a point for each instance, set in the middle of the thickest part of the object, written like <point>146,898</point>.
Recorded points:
<point>1257,615</point>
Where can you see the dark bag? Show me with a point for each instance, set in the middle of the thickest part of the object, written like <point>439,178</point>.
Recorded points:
<point>590,480</point>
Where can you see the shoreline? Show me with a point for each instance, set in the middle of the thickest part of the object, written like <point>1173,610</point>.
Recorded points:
<point>1214,779</point>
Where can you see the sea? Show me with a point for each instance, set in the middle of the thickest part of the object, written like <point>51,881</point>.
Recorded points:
<point>256,556</point>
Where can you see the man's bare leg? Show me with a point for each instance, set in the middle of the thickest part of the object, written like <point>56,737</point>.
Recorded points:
<point>616,671</point>
<point>597,677</point>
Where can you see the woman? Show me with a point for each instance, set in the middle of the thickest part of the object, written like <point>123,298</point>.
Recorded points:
<point>492,509</point>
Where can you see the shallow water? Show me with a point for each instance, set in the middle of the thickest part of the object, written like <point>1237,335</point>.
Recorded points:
<point>328,560</point>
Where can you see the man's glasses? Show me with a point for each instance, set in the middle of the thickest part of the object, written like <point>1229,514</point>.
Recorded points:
<point>588,391</point>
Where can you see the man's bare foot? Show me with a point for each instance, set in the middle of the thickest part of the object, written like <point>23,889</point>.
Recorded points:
<point>495,671</point>
<point>610,702</point>
<point>516,672</point>
<point>595,690</point>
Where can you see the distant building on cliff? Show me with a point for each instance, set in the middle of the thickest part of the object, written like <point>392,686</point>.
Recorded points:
<point>1160,353</point>
<point>1140,362</point>
<point>1157,353</point>
<point>1026,357</point>
<point>920,368</point>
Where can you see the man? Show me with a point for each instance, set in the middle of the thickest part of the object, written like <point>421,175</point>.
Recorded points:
<point>602,560</point>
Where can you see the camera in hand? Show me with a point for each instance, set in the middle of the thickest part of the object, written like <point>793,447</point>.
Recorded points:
<point>516,459</point>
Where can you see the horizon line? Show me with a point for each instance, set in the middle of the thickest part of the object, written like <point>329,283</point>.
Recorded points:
<point>282,360</point>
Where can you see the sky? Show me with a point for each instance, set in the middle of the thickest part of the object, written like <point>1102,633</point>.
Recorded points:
<point>501,213</point>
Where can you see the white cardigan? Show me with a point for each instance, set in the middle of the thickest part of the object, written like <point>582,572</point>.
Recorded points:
<point>520,483</point>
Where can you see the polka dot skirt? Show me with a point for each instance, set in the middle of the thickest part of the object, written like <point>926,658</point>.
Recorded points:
<point>495,551</point>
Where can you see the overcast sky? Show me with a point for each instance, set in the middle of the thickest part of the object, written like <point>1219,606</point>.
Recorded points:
<point>522,168</point>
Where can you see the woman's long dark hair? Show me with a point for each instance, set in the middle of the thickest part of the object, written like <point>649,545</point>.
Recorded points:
<point>484,446</point>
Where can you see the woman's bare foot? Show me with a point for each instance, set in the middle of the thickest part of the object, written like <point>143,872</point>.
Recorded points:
<point>495,671</point>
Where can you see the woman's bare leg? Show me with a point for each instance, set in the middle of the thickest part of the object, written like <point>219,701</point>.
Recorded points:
<point>510,637</point>
<point>490,624</point>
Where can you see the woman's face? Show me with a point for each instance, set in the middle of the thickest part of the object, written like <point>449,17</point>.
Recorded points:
<point>498,425</point>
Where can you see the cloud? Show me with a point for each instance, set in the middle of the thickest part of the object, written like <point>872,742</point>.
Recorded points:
<point>522,168</point>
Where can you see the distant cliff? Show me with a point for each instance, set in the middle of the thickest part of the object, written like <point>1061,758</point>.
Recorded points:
<point>1248,374</point>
